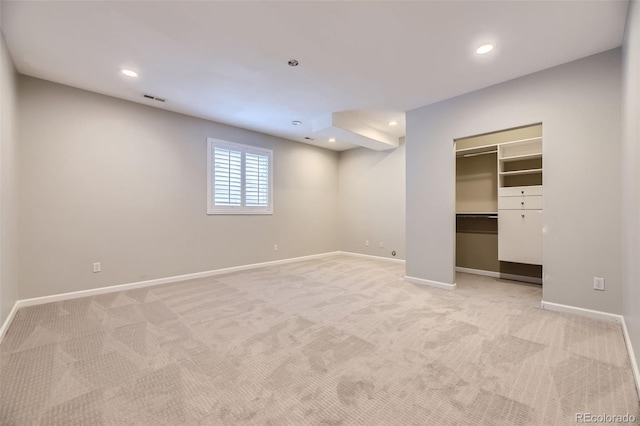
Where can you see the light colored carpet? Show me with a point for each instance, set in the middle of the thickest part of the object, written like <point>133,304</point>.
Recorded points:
<point>336,341</point>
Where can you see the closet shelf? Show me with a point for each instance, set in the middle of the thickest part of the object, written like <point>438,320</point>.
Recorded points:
<point>476,213</point>
<point>519,141</point>
<point>521,157</point>
<point>521,172</point>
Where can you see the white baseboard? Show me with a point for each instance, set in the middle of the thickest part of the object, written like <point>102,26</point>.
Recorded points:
<point>482,272</point>
<point>599,315</point>
<point>148,283</point>
<point>369,256</point>
<point>632,356</point>
<point>436,284</point>
<point>8,320</point>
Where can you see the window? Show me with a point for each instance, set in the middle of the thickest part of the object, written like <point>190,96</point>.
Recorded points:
<point>238,178</point>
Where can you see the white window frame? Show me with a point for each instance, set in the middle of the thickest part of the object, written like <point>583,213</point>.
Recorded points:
<point>212,143</point>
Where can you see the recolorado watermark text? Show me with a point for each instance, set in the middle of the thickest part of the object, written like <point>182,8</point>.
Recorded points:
<point>605,418</point>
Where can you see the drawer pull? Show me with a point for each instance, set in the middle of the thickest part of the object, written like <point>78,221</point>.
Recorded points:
<point>522,202</point>
<point>522,215</point>
<point>522,192</point>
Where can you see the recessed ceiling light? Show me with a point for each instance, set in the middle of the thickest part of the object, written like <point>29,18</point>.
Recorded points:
<point>293,62</point>
<point>296,122</point>
<point>129,73</point>
<point>484,49</point>
<point>332,139</point>
<point>393,123</point>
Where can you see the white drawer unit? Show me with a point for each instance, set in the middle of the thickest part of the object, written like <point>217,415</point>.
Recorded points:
<point>520,191</point>
<point>520,236</point>
<point>520,224</point>
<point>533,202</point>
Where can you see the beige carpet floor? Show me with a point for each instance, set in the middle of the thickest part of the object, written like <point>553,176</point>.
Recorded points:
<point>334,341</point>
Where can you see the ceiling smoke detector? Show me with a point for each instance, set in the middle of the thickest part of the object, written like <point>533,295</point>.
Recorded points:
<point>296,122</point>
<point>308,138</point>
<point>293,62</point>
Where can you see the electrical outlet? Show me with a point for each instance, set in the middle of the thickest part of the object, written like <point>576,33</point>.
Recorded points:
<point>275,247</point>
<point>366,243</point>
<point>97,267</point>
<point>598,283</point>
<point>381,244</point>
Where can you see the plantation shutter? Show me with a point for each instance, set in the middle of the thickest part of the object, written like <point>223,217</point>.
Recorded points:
<point>239,178</point>
<point>256,180</point>
<point>227,177</point>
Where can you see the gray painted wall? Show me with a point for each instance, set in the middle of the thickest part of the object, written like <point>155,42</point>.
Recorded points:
<point>579,106</point>
<point>8,183</point>
<point>102,179</point>
<point>631,177</point>
<point>372,201</point>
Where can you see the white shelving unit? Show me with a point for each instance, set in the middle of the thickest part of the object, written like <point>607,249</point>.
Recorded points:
<point>520,201</point>
<point>520,163</point>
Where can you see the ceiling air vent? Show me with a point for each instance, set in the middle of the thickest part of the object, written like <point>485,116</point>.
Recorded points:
<point>155,98</point>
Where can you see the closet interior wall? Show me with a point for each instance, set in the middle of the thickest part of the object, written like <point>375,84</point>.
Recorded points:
<point>476,212</point>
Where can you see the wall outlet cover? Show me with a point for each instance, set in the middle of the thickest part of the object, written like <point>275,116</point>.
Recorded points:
<point>598,283</point>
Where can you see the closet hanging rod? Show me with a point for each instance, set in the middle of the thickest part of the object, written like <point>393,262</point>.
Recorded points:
<point>479,153</point>
<point>477,215</point>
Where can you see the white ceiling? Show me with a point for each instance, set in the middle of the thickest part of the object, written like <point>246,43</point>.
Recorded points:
<point>227,60</point>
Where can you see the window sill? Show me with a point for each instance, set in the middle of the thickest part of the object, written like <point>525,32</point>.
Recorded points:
<point>241,212</point>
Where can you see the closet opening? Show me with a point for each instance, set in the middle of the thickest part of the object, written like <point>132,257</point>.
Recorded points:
<point>499,204</point>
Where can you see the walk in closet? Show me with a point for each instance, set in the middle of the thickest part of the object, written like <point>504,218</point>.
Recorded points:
<point>499,204</point>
